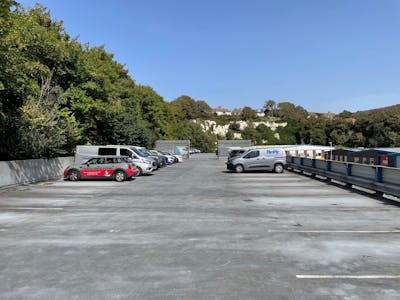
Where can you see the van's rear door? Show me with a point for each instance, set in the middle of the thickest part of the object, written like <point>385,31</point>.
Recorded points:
<point>269,157</point>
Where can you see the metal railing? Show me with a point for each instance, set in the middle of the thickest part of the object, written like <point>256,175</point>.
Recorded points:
<point>381,179</point>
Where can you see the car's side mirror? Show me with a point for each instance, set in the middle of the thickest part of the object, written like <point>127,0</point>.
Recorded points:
<point>87,164</point>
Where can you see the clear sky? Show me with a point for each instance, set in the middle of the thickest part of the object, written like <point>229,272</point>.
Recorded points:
<point>325,55</point>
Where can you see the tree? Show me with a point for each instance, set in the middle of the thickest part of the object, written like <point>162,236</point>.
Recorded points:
<point>248,114</point>
<point>269,108</point>
<point>296,117</point>
<point>46,128</point>
<point>5,7</point>
<point>204,111</point>
<point>345,114</point>
<point>252,134</point>
<point>185,107</point>
<point>234,126</point>
<point>266,135</point>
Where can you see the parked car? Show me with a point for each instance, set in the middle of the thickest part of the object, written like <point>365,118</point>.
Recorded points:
<point>194,151</point>
<point>164,158</point>
<point>144,164</point>
<point>105,167</point>
<point>157,157</point>
<point>143,152</point>
<point>258,159</point>
<point>236,153</point>
<point>178,158</point>
<point>171,158</point>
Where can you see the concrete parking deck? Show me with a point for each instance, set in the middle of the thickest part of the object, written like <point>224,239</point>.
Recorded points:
<point>194,231</point>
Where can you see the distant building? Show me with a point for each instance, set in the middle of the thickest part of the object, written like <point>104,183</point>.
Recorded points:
<point>377,157</point>
<point>260,113</point>
<point>329,115</point>
<point>308,151</point>
<point>237,111</point>
<point>220,111</point>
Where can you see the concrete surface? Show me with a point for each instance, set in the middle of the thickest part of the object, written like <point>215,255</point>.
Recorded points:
<point>32,170</point>
<point>194,231</point>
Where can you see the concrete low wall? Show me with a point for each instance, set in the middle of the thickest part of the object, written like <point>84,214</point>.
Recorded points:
<point>32,170</point>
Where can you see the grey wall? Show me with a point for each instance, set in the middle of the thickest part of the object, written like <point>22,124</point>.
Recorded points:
<point>32,170</point>
<point>169,145</point>
<point>225,145</point>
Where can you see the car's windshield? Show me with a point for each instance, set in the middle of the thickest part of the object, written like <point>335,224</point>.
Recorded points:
<point>139,152</point>
<point>148,152</point>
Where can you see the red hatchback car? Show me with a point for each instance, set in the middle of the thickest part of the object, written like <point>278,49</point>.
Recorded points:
<point>108,167</point>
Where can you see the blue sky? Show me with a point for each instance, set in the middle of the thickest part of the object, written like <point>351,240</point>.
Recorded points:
<point>325,55</point>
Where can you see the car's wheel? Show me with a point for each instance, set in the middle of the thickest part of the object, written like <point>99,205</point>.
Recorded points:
<point>239,169</point>
<point>140,171</point>
<point>73,175</point>
<point>278,168</point>
<point>119,176</point>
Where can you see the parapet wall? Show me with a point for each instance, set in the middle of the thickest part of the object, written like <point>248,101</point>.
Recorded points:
<point>32,170</point>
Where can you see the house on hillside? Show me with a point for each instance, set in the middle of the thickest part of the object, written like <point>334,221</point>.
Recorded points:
<point>329,115</point>
<point>260,113</point>
<point>237,111</point>
<point>220,111</point>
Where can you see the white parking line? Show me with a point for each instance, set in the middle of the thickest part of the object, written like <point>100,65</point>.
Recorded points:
<point>334,231</point>
<point>31,208</point>
<point>348,276</point>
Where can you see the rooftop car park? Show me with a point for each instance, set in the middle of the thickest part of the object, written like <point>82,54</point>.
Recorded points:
<point>200,232</point>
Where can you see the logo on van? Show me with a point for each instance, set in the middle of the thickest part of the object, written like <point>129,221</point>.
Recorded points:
<point>272,152</point>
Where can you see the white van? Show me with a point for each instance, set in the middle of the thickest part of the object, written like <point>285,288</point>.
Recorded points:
<point>84,153</point>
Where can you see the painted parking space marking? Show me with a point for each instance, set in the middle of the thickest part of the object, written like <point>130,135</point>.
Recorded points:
<point>348,276</point>
<point>30,208</point>
<point>335,231</point>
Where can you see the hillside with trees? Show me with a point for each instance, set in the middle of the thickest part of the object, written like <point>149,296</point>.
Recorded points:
<point>372,128</point>
<point>56,92</point>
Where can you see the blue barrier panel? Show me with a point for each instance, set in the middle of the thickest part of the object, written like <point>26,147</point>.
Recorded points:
<point>348,169</point>
<point>378,174</point>
<point>328,166</point>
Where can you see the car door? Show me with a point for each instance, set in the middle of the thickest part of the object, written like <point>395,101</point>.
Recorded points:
<point>252,160</point>
<point>109,166</point>
<point>91,169</point>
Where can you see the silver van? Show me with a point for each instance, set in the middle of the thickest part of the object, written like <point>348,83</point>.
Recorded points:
<point>268,159</point>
